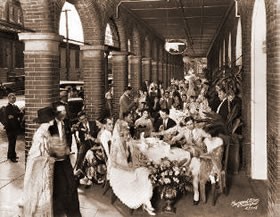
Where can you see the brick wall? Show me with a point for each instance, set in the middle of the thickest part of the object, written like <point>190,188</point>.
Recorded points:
<point>273,106</point>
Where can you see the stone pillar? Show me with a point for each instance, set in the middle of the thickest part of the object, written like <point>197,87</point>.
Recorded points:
<point>154,71</point>
<point>146,68</point>
<point>94,78</point>
<point>136,71</point>
<point>120,78</point>
<point>41,65</point>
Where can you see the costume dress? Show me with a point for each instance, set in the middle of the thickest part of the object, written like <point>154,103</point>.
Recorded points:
<point>129,183</point>
<point>38,179</point>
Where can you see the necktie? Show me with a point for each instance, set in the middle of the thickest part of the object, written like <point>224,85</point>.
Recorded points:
<point>63,136</point>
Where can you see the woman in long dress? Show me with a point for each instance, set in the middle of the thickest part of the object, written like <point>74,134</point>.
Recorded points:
<point>38,179</point>
<point>37,198</point>
<point>130,183</point>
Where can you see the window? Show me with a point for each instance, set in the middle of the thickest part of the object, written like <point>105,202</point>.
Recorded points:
<point>19,56</point>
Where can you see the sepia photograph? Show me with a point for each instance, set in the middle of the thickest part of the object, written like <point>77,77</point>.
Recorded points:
<point>122,108</point>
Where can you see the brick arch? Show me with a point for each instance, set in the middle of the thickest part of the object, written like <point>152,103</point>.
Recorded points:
<point>136,38</point>
<point>90,18</point>
<point>47,15</point>
<point>42,11</point>
<point>121,27</point>
<point>115,32</point>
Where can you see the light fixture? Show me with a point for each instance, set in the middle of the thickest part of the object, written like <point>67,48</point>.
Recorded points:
<point>175,46</point>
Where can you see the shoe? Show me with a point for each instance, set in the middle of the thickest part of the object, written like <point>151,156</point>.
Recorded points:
<point>14,160</point>
<point>84,181</point>
<point>150,210</point>
<point>195,203</point>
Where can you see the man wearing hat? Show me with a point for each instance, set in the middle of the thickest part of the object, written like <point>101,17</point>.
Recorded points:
<point>13,116</point>
<point>65,195</point>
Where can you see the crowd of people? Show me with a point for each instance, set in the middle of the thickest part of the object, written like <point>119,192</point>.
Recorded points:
<point>109,150</point>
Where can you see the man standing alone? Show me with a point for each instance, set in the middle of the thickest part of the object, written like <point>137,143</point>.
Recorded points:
<point>12,126</point>
<point>126,102</point>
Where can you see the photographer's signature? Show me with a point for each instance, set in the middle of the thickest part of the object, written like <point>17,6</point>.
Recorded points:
<point>249,204</point>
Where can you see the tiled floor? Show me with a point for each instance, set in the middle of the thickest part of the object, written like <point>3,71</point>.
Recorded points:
<point>94,204</point>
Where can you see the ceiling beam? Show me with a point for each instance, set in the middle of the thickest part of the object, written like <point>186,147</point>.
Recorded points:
<point>220,27</point>
<point>175,8</point>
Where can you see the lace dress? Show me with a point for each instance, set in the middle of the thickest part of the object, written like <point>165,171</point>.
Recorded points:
<point>38,179</point>
<point>129,182</point>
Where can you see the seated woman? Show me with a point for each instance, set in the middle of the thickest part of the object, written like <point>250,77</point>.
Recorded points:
<point>129,181</point>
<point>177,101</point>
<point>144,124</point>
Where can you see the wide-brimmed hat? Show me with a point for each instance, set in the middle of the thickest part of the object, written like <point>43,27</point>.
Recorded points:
<point>44,115</point>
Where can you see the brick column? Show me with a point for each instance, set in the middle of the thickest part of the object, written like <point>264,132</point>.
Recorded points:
<point>94,78</point>
<point>160,72</point>
<point>136,71</point>
<point>146,68</point>
<point>169,72</point>
<point>164,73</point>
<point>41,65</point>
<point>273,107</point>
<point>120,78</point>
<point>154,70</point>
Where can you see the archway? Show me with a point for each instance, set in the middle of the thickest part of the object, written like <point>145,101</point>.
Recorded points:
<point>258,94</point>
<point>70,27</point>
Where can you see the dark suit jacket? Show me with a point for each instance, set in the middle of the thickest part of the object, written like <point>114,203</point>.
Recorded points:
<point>13,116</point>
<point>170,123</point>
<point>224,110</point>
<point>53,129</point>
<point>92,131</point>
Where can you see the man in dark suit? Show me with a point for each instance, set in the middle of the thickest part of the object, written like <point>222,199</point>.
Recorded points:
<point>87,133</point>
<point>223,108</point>
<point>65,195</point>
<point>164,122</point>
<point>12,126</point>
<point>165,101</point>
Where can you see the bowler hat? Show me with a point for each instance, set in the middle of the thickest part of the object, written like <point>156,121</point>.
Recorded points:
<point>44,115</point>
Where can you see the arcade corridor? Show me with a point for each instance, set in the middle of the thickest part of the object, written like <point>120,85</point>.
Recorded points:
<point>126,42</point>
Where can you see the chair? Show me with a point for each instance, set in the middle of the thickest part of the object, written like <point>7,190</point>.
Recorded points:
<point>215,164</point>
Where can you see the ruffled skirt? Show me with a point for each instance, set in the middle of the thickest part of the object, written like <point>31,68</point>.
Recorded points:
<point>133,188</point>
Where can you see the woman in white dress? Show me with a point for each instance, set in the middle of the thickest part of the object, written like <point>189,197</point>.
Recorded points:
<point>129,181</point>
<point>38,179</point>
<point>37,199</point>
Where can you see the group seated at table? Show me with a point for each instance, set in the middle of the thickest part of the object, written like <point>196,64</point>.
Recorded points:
<point>166,126</point>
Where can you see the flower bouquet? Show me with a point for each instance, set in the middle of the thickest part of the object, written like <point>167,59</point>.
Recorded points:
<point>171,177</point>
